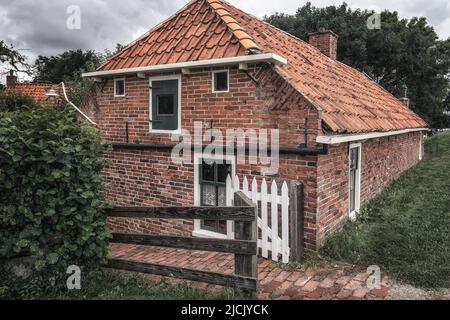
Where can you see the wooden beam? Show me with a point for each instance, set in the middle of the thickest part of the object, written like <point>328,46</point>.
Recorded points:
<point>296,221</point>
<point>210,213</point>
<point>189,243</point>
<point>246,264</point>
<point>245,283</point>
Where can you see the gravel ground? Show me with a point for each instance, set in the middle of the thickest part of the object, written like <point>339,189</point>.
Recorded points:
<point>407,292</point>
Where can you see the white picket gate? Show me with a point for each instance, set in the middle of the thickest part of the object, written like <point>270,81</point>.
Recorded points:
<point>268,222</point>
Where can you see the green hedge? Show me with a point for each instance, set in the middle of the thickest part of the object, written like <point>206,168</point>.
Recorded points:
<point>51,197</point>
<point>15,102</point>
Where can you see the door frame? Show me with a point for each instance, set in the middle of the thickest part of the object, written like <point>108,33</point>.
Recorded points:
<point>198,231</point>
<point>352,214</point>
<point>163,78</point>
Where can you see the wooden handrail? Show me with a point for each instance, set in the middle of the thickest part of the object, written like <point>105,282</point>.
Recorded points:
<point>211,213</point>
<point>246,283</point>
<point>188,243</point>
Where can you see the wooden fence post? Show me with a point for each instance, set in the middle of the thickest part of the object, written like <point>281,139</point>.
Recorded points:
<point>296,220</point>
<point>244,264</point>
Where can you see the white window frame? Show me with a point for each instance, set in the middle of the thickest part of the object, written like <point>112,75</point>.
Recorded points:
<point>352,214</point>
<point>198,231</point>
<point>213,73</point>
<point>115,88</point>
<point>162,78</point>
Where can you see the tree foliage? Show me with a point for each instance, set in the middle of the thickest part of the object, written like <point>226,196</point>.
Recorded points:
<point>51,197</point>
<point>66,66</point>
<point>402,53</point>
<point>447,103</point>
<point>15,102</point>
<point>12,57</point>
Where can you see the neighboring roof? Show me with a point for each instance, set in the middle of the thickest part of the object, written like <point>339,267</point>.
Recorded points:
<point>209,29</point>
<point>38,91</point>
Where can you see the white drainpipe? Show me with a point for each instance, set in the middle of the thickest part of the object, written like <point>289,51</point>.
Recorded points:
<point>74,106</point>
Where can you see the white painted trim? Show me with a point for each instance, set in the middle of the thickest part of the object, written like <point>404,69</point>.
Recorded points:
<point>336,139</point>
<point>124,88</point>
<point>254,58</point>
<point>353,213</point>
<point>198,231</point>
<point>421,147</point>
<point>162,78</point>
<point>213,73</point>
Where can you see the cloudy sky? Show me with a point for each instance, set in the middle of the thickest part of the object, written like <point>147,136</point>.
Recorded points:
<point>39,27</point>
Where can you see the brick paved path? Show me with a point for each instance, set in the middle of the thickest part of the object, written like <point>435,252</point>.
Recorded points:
<point>275,282</point>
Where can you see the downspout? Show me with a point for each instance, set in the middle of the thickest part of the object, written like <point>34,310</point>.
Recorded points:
<point>74,106</point>
<point>283,150</point>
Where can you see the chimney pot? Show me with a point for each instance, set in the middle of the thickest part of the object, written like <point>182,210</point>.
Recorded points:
<point>405,101</point>
<point>326,41</point>
<point>11,79</point>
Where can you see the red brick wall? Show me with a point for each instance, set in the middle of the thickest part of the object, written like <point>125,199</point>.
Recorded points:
<point>271,103</point>
<point>150,178</point>
<point>332,191</point>
<point>383,160</point>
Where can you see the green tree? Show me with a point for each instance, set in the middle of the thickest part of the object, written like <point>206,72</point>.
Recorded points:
<point>16,102</point>
<point>12,57</point>
<point>402,53</point>
<point>66,66</point>
<point>447,103</point>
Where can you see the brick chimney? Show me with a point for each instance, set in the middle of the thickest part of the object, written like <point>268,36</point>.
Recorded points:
<point>326,41</point>
<point>11,80</point>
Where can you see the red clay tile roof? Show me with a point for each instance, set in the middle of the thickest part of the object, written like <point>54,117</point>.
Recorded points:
<point>38,91</point>
<point>201,30</point>
<point>207,29</point>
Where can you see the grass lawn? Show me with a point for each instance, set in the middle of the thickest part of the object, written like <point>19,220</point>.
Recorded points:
<point>406,230</point>
<point>114,285</point>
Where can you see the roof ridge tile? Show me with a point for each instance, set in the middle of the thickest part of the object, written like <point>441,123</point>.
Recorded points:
<point>239,32</point>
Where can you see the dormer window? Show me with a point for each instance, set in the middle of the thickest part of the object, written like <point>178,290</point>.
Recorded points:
<point>220,80</point>
<point>119,87</point>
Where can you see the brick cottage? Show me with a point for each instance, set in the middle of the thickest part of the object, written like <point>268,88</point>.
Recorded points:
<point>340,134</point>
